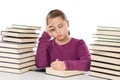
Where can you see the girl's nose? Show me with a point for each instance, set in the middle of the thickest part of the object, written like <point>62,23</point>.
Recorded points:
<point>57,31</point>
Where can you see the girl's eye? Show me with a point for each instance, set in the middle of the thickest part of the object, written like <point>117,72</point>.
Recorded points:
<point>60,26</point>
<point>52,29</point>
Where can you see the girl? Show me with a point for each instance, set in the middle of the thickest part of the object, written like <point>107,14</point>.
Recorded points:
<point>61,52</point>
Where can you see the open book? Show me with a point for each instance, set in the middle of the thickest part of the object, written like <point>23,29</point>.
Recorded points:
<point>67,73</point>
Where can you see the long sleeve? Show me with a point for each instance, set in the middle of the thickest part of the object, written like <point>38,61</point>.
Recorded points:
<point>41,57</point>
<point>84,60</point>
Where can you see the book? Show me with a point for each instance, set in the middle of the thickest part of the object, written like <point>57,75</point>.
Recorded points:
<point>19,40</point>
<point>112,72</point>
<point>16,45</point>
<point>20,55</point>
<point>107,40</point>
<point>67,73</point>
<point>13,50</point>
<point>104,75</point>
<point>104,48</point>
<point>17,60</point>
<point>108,28</point>
<point>26,26</point>
<point>102,36</point>
<point>18,71</point>
<point>107,43</point>
<point>17,65</point>
<point>116,33</point>
<point>106,59</point>
<point>105,65</point>
<point>16,34</point>
<point>105,53</point>
<point>22,30</point>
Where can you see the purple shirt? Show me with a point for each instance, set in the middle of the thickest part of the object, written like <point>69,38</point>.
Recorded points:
<point>75,53</point>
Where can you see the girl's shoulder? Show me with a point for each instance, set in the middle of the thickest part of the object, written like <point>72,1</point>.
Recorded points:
<point>78,40</point>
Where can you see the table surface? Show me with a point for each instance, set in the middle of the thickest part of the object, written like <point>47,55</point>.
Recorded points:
<point>33,75</point>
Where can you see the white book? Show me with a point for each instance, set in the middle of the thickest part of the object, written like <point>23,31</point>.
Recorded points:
<point>20,55</point>
<point>108,28</point>
<point>16,45</point>
<point>13,50</point>
<point>19,40</point>
<point>16,34</point>
<point>102,75</point>
<point>17,65</point>
<point>15,60</point>
<point>60,73</point>
<point>12,70</point>
<point>26,26</point>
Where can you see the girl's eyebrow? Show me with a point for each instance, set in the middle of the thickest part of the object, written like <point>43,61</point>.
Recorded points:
<point>60,23</point>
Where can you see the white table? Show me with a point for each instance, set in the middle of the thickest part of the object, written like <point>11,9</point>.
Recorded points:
<point>32,75</point>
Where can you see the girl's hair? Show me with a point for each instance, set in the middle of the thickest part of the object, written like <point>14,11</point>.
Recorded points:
<point>56,13</point>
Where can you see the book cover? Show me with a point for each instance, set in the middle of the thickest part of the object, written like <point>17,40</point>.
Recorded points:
<point>102,36</point>
<point>26,27</point>
<point>22,30</point>
<point>20,55</point>
<point>17,60</point>
<point>117,33</point>
<point>115,61</point>
<point>18,39</point>
<point>107,40</point>
<point>108,28</point>
<point>104,75</point>
<point>16,45</point>
<point>104,48</point>
<point>107,43</point>
<point>18,71</point>
<point>67,73</point>
<point>105,65</point>
<point>105,53</point>
<point>108,71</point>
<point>17,34</point>
<point>15,51</point>
<point>17,65</point>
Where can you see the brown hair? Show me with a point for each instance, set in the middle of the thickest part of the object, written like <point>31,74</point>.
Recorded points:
<point>56,13</point>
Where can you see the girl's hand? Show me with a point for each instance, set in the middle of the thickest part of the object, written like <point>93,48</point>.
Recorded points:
<point>49,29</point>
<point>58,65</point>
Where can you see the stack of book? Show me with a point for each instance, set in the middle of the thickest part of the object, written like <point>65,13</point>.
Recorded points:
<point>106,53</point>
<point>16,48</point>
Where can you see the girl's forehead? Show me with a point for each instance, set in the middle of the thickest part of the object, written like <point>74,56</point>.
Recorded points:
<point>55,20</point>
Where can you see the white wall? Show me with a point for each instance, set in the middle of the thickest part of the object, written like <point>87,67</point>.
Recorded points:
<point>84,15</point>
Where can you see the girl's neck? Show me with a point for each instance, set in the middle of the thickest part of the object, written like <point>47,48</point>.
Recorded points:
<point>62,42</point>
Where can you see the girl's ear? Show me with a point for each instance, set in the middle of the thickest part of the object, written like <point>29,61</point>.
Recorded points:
<point>67,23</point>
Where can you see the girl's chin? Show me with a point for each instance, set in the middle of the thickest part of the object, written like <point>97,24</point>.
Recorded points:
<point>59,39</point>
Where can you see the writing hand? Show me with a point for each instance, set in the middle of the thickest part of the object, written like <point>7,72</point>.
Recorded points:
<point>58,65</point>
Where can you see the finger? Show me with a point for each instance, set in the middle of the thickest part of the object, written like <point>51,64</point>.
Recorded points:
<point>53,67</point>
<point>53,63</point>
<point>50,25</point>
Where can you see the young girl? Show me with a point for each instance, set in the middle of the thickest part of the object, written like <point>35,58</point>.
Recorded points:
<point>61,52</point>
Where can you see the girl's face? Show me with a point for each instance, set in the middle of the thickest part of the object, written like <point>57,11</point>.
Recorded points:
<point>59,28</point>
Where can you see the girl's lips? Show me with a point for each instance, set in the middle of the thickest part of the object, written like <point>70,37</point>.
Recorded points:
<point>59,35</point>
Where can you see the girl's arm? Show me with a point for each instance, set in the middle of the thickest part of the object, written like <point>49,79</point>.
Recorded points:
<point>84,61</point>
<point>42,57</point>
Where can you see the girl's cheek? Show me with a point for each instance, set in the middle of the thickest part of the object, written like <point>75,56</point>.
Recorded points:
<point>54,34</point>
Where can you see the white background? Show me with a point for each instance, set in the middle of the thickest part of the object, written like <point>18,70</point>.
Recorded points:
<point>84,15</point>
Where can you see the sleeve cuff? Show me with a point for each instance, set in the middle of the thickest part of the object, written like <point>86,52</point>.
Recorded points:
<point>46,35</point>
<point>68,65</point>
